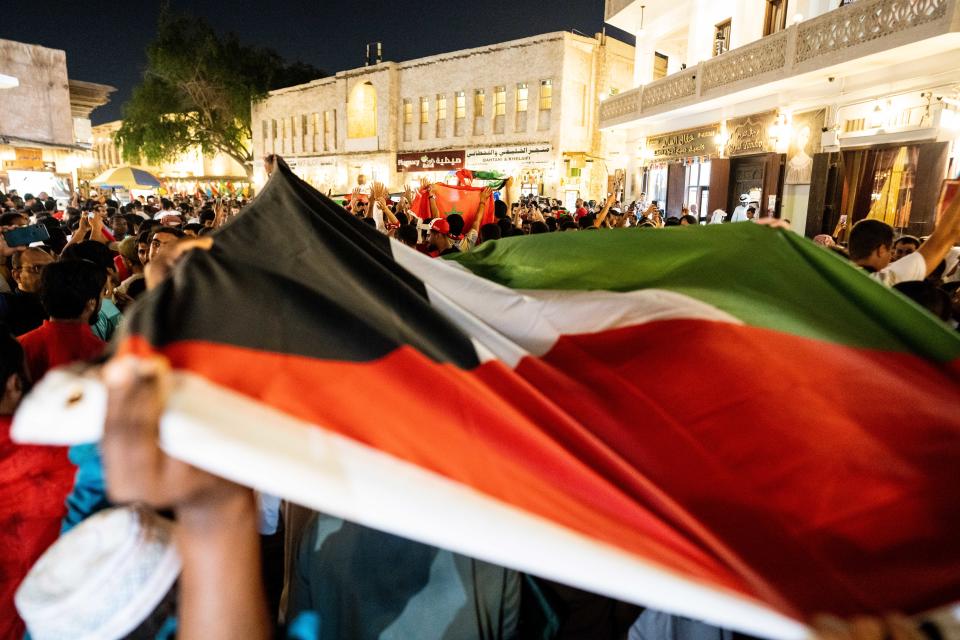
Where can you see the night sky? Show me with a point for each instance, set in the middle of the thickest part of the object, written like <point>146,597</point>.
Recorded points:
<point>105,40</point>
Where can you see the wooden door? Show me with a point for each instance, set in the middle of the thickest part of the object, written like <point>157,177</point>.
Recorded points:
<point>719,186</point>
<point>746,174</point>
<point>676,189</point>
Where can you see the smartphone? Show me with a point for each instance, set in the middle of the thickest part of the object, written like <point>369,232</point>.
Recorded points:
<point>25,236</point>
<point>122,272</point>
<point>948,192</point>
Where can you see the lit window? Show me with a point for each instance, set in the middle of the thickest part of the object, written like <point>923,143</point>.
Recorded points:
<point>522,94</point>
<point>546,95</point>
<point>327,130</point>
<point>362,111</point>
<point>721,38</point>
<point>459,113</point>
<point>441,107</point>
<point>424,117</point>
<point>441,115</point>
<point>500,101</point>
<point>407,112</point>
<point>479,103</point>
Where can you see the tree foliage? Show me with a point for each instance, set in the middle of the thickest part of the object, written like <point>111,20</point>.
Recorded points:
<point>197,90</point>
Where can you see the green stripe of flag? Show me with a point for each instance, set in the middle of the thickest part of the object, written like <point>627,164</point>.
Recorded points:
<point>768,278</point>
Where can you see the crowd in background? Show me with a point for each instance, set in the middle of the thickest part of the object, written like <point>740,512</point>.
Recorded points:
<point>924,269</point>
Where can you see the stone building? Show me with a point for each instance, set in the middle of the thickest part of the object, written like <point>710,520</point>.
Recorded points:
<point>527,108</point>
<point>182,174</point>
<point>819,111</point>
<point>45,130</point>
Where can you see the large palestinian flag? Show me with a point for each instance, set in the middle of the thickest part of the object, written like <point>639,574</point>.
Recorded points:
<point>728,423</point>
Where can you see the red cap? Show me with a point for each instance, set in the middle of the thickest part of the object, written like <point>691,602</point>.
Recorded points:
<point>440,225</point>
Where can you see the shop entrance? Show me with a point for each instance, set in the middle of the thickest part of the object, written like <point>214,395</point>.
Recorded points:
<point>746,175</point>
<point>531,183</point>
<point>697,199</point>
<point>878,184</point>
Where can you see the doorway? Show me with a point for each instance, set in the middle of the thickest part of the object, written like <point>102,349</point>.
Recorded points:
<point>746,175</point>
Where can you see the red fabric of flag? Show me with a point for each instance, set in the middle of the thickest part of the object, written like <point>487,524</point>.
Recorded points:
<point>460,200</point>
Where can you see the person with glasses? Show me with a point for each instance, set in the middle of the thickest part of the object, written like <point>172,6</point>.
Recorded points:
<point>21,310</point>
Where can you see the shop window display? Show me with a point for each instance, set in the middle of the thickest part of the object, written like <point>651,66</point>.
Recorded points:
<point>878,184</point>
<point>697,183</point>
<point>657,185</point>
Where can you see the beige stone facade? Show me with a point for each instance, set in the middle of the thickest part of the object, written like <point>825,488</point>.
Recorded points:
<point>828,92</point>
<point>45,130</point>
<point>527,108</point>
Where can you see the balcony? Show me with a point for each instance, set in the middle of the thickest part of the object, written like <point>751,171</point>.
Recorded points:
<point>864,28</point>
<point>613,7</point>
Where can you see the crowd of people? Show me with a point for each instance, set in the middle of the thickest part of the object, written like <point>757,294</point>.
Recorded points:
<point>924,269</point>
<point>247,566</point>
<point>440,233</point>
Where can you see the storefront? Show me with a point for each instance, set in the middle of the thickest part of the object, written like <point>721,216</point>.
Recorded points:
<point>338,175</point>
<point>319,172</point>
<point>35,169</point>
<point>889,159</point>
<point>715,166</point>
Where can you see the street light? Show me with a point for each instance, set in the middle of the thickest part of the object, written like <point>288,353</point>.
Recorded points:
<point>8,82</point>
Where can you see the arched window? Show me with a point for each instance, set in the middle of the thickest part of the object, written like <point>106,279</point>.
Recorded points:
<point>362,111</point>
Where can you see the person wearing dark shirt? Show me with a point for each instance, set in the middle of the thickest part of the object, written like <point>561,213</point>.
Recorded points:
<point>21,310</point>
<point>363,583</point>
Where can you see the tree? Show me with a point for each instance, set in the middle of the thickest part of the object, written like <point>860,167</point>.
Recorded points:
<point>197,90</point>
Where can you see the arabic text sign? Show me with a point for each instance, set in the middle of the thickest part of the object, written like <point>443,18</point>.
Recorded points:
<point>751,135</point>
<point>495,157</point>
<point>682,144</point>
<point>430,161</point>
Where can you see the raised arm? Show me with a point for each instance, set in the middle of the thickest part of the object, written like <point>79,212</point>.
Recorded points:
<point>947,233</point>
<point>221,588</point>
<point>603,212</point>
<point>378,194</point>
<point>482,209</point>
<point>220,213</point>
<point>82,231</point>
<point>96,228</point>
<point>434,210</point>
